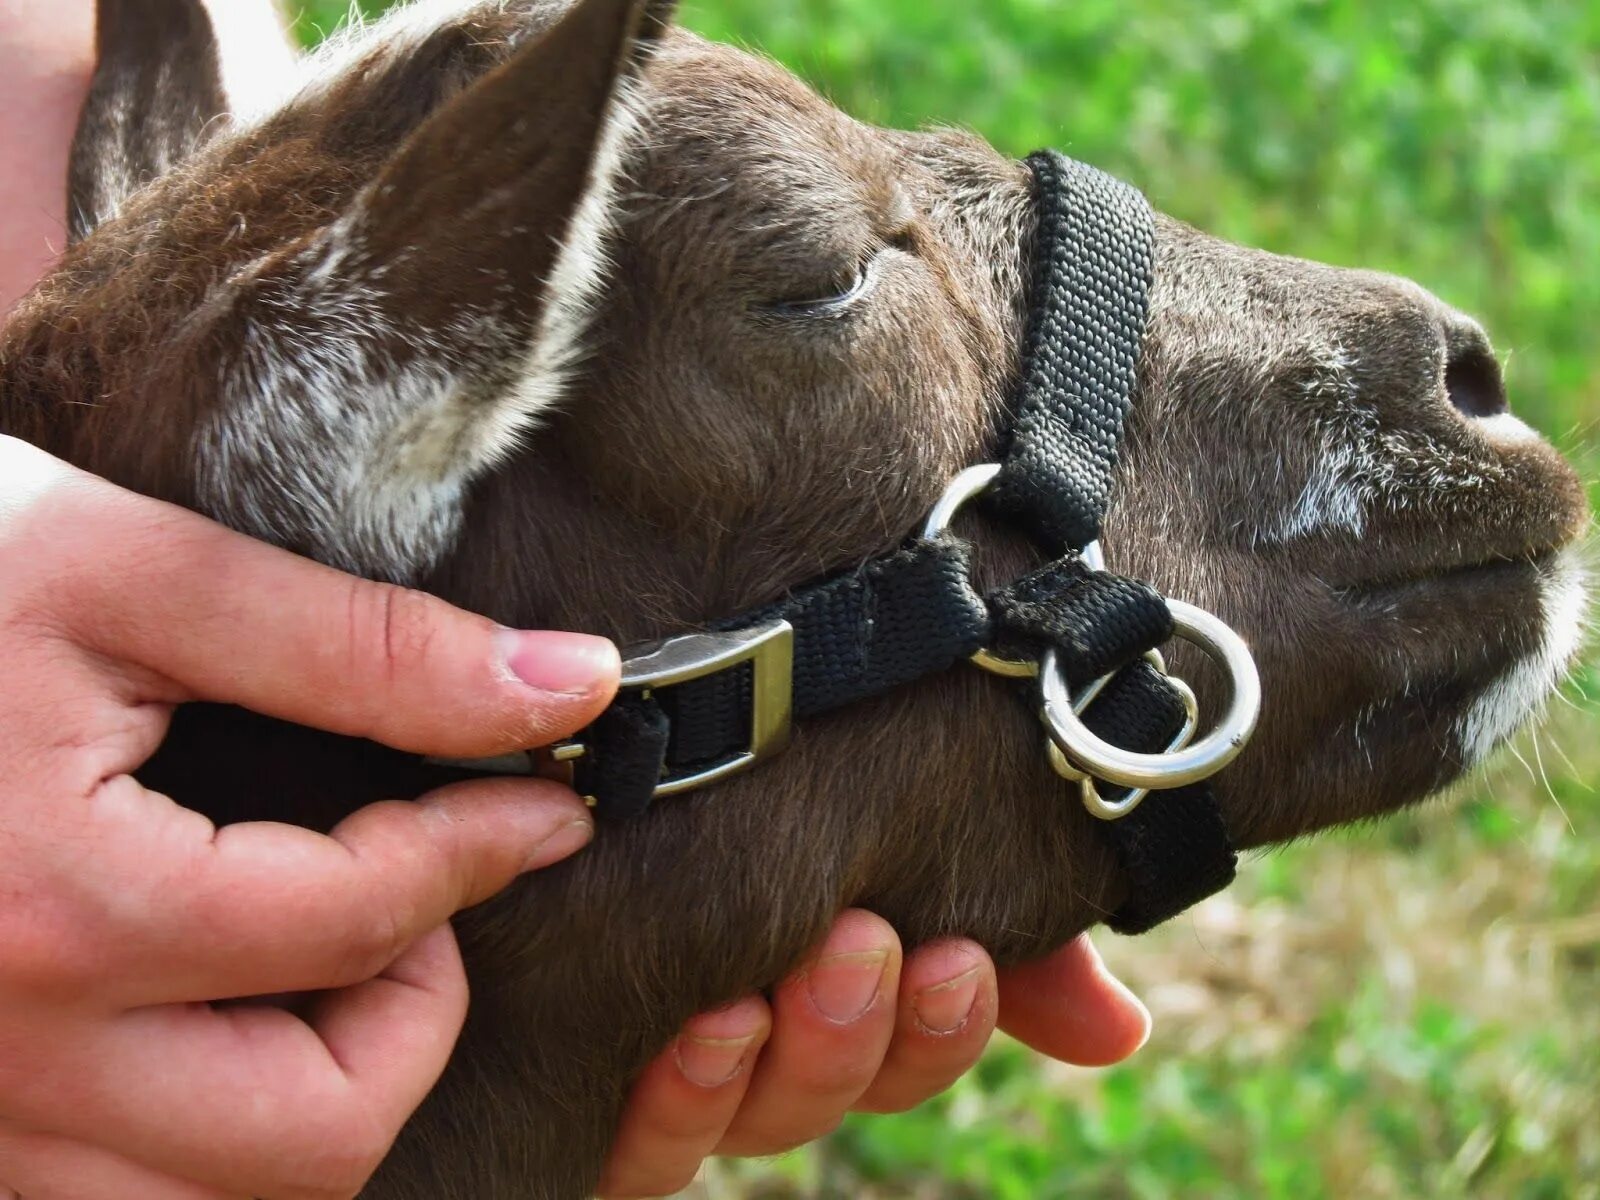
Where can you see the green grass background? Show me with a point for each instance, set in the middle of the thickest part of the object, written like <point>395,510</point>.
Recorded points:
<point>1407,1011</point>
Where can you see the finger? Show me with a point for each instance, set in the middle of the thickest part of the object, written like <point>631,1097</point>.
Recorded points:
<point>1070,1007</point>
<point>252,1099</point>
<point>684,1102</point>
<point>234,620</point>
<point>947,1010</point>
<point>258,909</point>
<point>42,1166</point>
<point>832,1022</point>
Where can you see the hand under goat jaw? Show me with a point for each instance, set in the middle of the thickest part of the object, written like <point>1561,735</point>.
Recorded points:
<point>578,320</point>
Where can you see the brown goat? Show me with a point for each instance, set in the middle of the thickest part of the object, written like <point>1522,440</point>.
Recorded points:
<point>578,320</point>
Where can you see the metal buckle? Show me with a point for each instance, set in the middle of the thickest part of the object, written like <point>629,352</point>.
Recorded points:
<point>768,648</point>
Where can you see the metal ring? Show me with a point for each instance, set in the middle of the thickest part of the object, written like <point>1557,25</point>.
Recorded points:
<point>1177,769</point>
<point>965,488</point>
<point>1114,810</point>
<point>1091,693</point>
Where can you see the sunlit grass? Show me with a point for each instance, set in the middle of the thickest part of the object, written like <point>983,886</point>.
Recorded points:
<point>1411,1010</point>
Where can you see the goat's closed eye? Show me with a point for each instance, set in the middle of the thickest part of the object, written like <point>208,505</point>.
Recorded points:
<point>845,293</point>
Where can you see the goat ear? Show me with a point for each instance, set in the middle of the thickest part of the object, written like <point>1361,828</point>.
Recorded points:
<point>515,176</point>
<point>381,365</point>
<point>157,85</point>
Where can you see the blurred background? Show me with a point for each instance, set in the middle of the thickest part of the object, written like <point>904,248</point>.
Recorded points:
<point>1411,1010</point>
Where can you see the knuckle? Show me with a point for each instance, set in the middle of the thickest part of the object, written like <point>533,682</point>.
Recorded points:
<point>683,1124</point>
<point>378,939</point>
<point>847,1077</point>
<point>897,1100</point>
<point>392,629</point>
<point>628,1188</point>
<point>670,1181</point>
<point>792,1137</point>
<point>642,1180</point>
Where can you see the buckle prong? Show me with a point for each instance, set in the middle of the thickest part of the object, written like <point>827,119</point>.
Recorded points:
<point>652,666</point>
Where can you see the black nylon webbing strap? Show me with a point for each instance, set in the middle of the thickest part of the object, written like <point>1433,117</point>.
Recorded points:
<point>1099,622</point>
<point>1093,262</point>
<point>1094,258</point>
<point>859,634</point>
<point>1174,848</point>
<point>890,622</point>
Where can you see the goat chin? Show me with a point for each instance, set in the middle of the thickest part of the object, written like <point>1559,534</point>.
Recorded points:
<point>1523,689</point>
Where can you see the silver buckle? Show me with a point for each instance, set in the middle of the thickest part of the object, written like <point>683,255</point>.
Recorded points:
<point>769,649</point>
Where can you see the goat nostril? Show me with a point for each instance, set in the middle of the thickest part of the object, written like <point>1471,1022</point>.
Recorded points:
<point>1472,380</point>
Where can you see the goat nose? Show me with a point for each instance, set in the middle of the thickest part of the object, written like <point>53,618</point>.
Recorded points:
<point>1472,376</point>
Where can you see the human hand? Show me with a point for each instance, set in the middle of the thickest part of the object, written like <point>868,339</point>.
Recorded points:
<point>123,913</point>
<point>858,1028</point>
<point>124,916</point>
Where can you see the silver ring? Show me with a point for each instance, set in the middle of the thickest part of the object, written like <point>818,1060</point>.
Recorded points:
<point>965,488</point>
<point>1089,787</point>
<point>1179,768</point>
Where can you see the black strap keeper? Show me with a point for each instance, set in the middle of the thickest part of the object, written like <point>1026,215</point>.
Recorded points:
<point>1098,622</point>
<point>1176,852</point>
<point>627,751</point>
<point>890,622</point>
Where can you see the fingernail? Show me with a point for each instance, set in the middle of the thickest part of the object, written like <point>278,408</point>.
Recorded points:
<point>561,842</point>
<point>711,1062</point>
<point>945,1007</point>
<point>844,986</point>
<point>568,664</point>
<point>1123,990</point>
<point>1149,1025</point>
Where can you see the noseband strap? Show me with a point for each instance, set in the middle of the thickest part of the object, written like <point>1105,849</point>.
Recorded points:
<point>1094,264</point>
<point>697,709</point>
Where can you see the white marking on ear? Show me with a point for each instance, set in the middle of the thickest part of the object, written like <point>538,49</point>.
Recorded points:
<point>580,271</point>
<point>321,443</point>
<point>256,58</point>
<point>1505,428</point>
<point>1524,687</point>
<point>395,33</point>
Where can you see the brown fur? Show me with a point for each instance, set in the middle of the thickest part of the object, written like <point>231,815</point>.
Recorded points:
<point>713,452</point>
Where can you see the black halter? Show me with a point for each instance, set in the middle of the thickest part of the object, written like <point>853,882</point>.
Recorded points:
<point>697,709</point>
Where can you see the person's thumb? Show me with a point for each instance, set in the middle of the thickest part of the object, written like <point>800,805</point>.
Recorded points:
<point>233,620</point>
